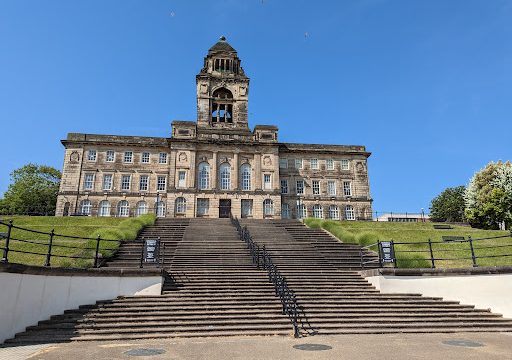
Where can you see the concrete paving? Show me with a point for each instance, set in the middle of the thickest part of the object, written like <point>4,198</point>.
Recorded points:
<point>466,346</point>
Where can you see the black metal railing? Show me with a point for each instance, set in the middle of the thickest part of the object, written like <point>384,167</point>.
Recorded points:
<point>262,259</point>
<point>435,252</point>
<point>50,245</point>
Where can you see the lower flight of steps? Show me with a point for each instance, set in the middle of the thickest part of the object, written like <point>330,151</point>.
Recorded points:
<point>214,290</point>
<point>170,231</point>
<point>336,301</point>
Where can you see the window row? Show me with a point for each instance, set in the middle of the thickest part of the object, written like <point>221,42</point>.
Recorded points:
<point>317,186</point>
<point>314,163</point>
<point>317,211</point>
<point>224,179</point>
<point>127,156</point>
<point>122,209</point>
<point>125,182</point>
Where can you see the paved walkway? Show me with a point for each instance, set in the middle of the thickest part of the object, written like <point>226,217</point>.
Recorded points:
<point>466,346</point>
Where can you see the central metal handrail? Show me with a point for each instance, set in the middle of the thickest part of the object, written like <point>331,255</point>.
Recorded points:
<point>262,259</point>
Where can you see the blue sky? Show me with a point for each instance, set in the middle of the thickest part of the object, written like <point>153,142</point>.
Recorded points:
<point>425,85</point>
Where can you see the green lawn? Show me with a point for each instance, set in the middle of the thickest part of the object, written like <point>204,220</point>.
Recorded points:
<point>416,254</point>
<point>86,227</point>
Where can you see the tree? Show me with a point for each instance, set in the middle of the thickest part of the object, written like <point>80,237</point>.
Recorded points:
<point>488,197</point>
<point>33,190</point>
<point>449,205</point>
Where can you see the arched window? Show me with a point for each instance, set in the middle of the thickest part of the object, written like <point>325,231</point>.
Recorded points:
<point>334,212</point>
<point>104,208</point>
<point>123,209</point>
<point>225,176</point>
<point>318,211</point>
<point>268,207</point>
<point>285,211</point>
<point>222,106</point>
<point>85,207</point>
<point>203,180</point>
<point>66,209</point>
<point>245,178</point>
<point>302,211</point>
<point>160,209</point>
<point>181,205</point>
<point>142,208</point>
<point>349,212</point>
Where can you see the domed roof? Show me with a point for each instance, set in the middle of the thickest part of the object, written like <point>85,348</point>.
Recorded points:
<point>222,45</point>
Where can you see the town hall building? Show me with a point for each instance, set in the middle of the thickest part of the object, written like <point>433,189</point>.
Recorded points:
<point>215,165</point>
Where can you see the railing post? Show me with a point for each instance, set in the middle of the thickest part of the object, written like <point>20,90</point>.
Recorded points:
<point>379,251</point>
<point>264,258</point>
<point>96,254</point>
<point>7,241</point>
<point>142,253</point>
<point>258,256</point>
<point>49,254</point>
<point>473,257</point>
<point>431,253</point>
<point>361,257</point>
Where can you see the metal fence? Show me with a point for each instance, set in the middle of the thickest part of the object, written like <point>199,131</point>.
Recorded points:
<point>50,245</point>
<point>455,249</point>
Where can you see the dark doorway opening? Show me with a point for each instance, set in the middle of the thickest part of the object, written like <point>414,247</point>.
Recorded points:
<point>224,208</point>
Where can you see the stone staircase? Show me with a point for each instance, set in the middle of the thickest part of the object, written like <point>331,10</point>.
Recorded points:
<point>336,299</point>
<point>215,290</point>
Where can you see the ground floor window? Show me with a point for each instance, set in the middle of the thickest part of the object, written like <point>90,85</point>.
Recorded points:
<point>203,207</point>
<point>160,209</point>
<point>123,209</point>
<point>268,207</point>
<point>104,208</point>
<point>302,211</point>
<point>318,211</point>
<point>285,211</point>
<point>142,208</point>
<point>246,208</point>
<point>334,213</point>
<point>85,207</point>
<point>181,205</point>
<point>349,212</point>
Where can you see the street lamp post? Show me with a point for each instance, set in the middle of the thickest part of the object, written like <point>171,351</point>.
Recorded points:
<point>422,215</point>
<point>157,203</point>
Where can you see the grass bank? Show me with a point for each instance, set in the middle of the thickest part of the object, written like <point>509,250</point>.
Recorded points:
<point>84,227</point>
<point>414,253</point>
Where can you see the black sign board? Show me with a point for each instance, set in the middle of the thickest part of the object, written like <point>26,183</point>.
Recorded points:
<point>151,250</point>
<point>387,252</point>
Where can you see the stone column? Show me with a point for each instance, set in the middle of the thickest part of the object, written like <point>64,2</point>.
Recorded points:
<point>257,171</point>
<point>172,170</point>
<point>235,182</point>
<point>214,171</point>
<point>192,176</point>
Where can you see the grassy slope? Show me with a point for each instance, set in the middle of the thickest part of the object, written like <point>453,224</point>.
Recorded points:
<point>107,228</point>
<point>366,233</point>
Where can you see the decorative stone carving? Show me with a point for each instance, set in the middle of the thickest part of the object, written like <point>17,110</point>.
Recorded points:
<point>267,161</point>
<point>74,157</point>
<point>182,157</point>
<point>360,166</point>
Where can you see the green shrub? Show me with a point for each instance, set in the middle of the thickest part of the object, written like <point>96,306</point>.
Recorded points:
<point>367,238</point>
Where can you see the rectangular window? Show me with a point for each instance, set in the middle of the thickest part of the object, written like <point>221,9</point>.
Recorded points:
<point>107,182</point>
<point>162,159</point>
<point>203,207</point>
<point>89,181</point>
<point>161,182</point>
<point>91,155</point>
<point>128,156</point>
<point>331,187</point>
<point>316,187</point>
<point>330,164</point>
<point>284,186</point>
<point>300,187</point>
<point>246,208</point>
<point>283,163</point>
<point>110,156</point>
<point>144,183</point>
<point>344,164</point>
<point>298,163</point>
<point>347,188</point>
<point>267,182</point>
<point>182,176</point>
<point>144,158</point>
<point>314,164</point>
<point>125,182</point>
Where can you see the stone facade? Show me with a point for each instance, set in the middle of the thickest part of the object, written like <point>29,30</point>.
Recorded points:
<point>214,165</point>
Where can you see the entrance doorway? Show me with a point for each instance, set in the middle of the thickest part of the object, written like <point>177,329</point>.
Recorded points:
<point>224,208</point>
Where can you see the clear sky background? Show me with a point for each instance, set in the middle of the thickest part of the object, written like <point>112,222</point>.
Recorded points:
<point>425,85</point>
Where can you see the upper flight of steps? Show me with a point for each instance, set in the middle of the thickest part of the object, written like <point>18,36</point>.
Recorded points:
<point>337,301</point>
<point>215,290</point>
